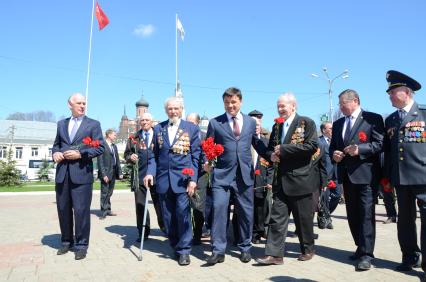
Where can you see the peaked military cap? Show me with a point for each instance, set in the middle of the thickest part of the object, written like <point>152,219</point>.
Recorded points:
<point>396,79</point>
<point>255,113</point>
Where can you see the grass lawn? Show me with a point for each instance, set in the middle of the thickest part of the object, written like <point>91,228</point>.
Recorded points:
<point>50,186</point>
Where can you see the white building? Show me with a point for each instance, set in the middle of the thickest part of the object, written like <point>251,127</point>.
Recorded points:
<point>31,143</point>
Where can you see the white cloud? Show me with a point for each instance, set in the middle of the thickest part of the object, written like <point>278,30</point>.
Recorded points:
<point>144,30</point>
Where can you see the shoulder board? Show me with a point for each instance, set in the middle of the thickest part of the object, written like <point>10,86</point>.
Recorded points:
<point>422,107</point>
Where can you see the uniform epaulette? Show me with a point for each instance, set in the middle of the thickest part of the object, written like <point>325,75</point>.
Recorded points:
<point>422,107</point>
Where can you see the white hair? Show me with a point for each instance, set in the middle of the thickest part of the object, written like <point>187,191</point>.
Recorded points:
<point>147,115</point>
<point>173,99</point>
<point>288,97</point>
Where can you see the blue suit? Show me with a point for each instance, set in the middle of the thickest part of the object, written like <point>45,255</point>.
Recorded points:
<point>166,163</point>
<point>74,180</point>
<point>233,172</point>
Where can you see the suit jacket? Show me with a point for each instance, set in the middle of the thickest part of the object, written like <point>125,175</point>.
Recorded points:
<point>237,151</point>
<point>329,165</point>
<point>142,150</point>
<point>106,165</point>
<point>295,173</point>
<point>319,160</point>
<point>405,147</point>
<point>166,161</point>
<point>80,171</point>
<point>364,168</point>
<point>266,171</point>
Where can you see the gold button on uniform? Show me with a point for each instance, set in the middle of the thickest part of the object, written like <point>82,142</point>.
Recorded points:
<point>401,149</point>
<point>401,158</point>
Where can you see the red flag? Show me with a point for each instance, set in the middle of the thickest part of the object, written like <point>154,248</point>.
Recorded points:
<point>102,18</point>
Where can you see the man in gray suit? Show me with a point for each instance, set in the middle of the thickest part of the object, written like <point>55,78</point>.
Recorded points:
<point>233,173</point>
<point>109,171</point>
<point>404,150</point>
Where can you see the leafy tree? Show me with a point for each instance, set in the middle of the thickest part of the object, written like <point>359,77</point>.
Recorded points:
<point>43,172</point>
<point>9,174</point>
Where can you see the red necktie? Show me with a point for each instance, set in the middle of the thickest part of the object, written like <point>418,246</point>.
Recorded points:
<point>236,128</point>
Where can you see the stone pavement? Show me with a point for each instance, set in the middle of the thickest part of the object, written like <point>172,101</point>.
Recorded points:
<point>30,236</point>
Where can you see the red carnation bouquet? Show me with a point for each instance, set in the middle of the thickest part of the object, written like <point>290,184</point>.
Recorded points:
<point>87,141</point>
<point>212,150</point>
<point>278,121</point>
<point>135,166</point>
<point>188,172</point>
<point>331,185</point>
<point>362,136</point>
<point>257,172</point>
<point>386,185</point>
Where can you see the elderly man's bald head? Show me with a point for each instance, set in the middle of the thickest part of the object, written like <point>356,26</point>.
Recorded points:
<point>77,104</point>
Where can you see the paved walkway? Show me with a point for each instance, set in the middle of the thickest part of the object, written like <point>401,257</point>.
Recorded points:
<point>29,236</point>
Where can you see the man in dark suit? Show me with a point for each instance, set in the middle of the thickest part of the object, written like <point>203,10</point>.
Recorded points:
<point>108,171</point>
<point>74,174</point>
<point>233,173</point>
<point>291,146</point>
<point>262,183</point>
<point>198,215</point>
<point>405,149</point>
<point>176,147</point>
<point>355,146</point>
<point>139,153</point>
<point>333,195</point>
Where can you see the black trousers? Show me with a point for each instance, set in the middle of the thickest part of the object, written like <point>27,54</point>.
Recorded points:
<point>140,197</point>
<point>360,211</point>
<point>260,211</point>
<point>389,201</point>
<point>283,205</point>
<point>73,205</point>
<point>106,192</point>
<point>407,196</point>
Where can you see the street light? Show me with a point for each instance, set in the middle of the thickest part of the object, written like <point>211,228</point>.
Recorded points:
<point>330,81</point>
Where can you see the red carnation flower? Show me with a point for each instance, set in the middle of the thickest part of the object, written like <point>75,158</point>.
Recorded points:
<point>95,143</point>
<point>279,120</point>
<point>257,172</point>
<point>131,137</point>
<point>87,140</point>
<point>211,149</point>
<point>331,185</point>
<point>362,136</point>
<point>384,182</point>
<point>188,172</point>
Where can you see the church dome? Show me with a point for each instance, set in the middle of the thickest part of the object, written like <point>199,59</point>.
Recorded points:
<point>142,102</point>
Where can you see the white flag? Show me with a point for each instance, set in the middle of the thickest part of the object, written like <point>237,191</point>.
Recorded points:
<point>179,27</point>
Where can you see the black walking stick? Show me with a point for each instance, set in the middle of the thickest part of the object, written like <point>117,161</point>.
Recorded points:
<point>144,223</point>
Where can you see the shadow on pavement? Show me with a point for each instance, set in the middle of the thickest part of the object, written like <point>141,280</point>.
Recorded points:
<point>288,278</point>
<point>129,235</point>
<point>52,240</point>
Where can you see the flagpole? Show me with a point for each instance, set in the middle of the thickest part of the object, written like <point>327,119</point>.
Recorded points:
<point>176,31</point>
<point>90,53</point>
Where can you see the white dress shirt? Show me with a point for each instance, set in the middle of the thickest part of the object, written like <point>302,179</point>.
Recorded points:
<point>353,118</point>
<point>172,129</point>
<point>71,123</point>
<point>239,118</point>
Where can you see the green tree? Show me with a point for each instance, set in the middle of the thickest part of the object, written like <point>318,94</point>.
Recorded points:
<point>43,172</point>
<point>9,174</point>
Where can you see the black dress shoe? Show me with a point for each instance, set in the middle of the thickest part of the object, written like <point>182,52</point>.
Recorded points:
<point>256,239</point>
<point>245,257</point>
<point>330,225</point>
<point>306,256</point>
<point>196,242</point>
<point>390,220</point>
<point>184,259</point>
<point>364,263</point>
<point>63,250</point>
<point>80,254</point>
<point>354,256</point>
<point>215,258</point>
<point>102,217</point>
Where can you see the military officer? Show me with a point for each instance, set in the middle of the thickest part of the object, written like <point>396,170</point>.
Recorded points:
<point>405,150</point>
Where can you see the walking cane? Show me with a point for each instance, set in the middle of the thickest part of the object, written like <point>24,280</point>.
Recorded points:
<point>144,224</point>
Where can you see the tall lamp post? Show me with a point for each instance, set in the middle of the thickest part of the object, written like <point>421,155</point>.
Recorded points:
<point>330,81</point>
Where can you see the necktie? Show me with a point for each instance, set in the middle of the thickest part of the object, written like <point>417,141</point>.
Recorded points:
<point>146,139</point>
<point>236,128</point>
<point>402,113</point>
<point>347,130</point>
<point>74,129</point>
<point>285,127</point>
<point>113,152</point>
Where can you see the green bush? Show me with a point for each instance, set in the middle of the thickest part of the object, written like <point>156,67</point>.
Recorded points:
<point>9,174</point>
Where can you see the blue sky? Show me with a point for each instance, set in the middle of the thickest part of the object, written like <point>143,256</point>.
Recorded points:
<point>263,47</point>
